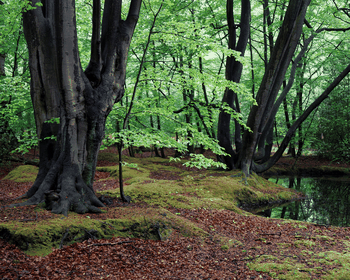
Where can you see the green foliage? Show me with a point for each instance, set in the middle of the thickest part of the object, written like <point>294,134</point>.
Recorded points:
<point>332,138</point>
<point>16,116</point>
<point>200,161</point>
<point>26,141</point>
<point>182,80</point>
<point>84,25</point>
<point>16,113</point>
<point>178,94</point>
<point>53,120</point>
<point>11,22</point>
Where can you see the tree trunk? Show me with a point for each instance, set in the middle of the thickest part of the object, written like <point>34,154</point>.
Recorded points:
<point>81,101</point>
<point>2,64</point>
<point>233,73</point>
<point>272,160</point>
<point>274,74</point>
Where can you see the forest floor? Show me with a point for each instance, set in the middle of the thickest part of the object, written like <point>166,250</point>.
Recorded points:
<point>182,223</point>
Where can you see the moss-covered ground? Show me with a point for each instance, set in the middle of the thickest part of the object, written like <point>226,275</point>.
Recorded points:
<point>169,201</point>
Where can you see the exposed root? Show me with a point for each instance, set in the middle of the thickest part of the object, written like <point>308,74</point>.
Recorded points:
<point>67,193</point>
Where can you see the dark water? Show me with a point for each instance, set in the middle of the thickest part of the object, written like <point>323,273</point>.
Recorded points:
<point>327,202</point>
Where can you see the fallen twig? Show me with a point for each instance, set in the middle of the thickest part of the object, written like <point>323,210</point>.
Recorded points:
<point>278,233</point>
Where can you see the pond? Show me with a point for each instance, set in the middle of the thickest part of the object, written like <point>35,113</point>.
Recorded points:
<point>327,200</point>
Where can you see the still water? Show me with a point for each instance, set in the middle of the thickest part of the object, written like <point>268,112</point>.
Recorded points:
<point>327,202</point>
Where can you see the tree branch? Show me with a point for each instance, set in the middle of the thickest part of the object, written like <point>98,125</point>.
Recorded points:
<point>141,63</point>
<point>134,11</point>
<point>292,74</point>
<point>110,25</point>
<point>96,36</point>
<point>93,70</point>
<point>299,121</point>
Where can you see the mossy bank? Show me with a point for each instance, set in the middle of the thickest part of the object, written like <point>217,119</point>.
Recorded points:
<point>155,184</point>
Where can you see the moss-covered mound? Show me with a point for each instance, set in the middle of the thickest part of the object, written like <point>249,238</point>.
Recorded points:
<point>23,173</point>
<point>39,237</point>
<point>155,186</point>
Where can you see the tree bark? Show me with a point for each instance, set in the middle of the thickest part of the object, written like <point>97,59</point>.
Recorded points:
<point>81,101</point>
<point>233,73</point>
<point>275,72</point>
<point>2,64</point>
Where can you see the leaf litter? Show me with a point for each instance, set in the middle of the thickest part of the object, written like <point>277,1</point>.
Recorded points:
<point>237,246</point>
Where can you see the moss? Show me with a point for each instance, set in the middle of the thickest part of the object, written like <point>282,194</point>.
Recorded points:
<point>108,157</point>
<point>34,237</point>
<point>130,175</point>
<point>224,247</point>
<point>288,269</point>
<point>38,238</point>
<point>306,243</point>
<point>324,238</point>
<point>307,253</point>
<point>283,245</point>
<point>224,191</point>
<point>23,173</point>
<point>212,190</point>
<point>226,242</point>
<point>343,272</point>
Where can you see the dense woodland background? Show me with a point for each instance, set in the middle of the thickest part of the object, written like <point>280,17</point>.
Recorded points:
<point>176,78</point>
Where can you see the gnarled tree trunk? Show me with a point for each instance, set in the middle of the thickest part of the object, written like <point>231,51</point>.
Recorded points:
<point>79,101</point>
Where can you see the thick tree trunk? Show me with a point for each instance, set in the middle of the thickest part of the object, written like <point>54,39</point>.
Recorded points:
<point>280,59</point>
<point>80,101</point>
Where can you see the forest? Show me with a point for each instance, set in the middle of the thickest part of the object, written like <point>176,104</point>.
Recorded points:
<point>229,87</point>
<point>197,76</point>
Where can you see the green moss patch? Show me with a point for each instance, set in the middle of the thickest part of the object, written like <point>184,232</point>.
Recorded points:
<point>23,173</point>
<point>335,264</point>
<point>38,238</point>
<point>288,269</point>
<point>217,192</point>
<point>158,186</point>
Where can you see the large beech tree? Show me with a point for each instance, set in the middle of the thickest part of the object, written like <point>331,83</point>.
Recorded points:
<point>253,147</point>
<point>71,105</point>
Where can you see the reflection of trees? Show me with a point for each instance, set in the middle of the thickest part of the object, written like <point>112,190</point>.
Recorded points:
<point>328,201</point>
<point>333,203</point>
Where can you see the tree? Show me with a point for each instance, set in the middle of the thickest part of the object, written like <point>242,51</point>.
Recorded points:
<point>233,73</point>
<point>275,72</point>
<point>71,105</point>
<point>283,58</point>
<point>15,114</point>
<point>177,83</point>
<point>333,131</point>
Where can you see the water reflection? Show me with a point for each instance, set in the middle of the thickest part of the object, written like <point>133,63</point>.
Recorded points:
<point>327,202</point>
